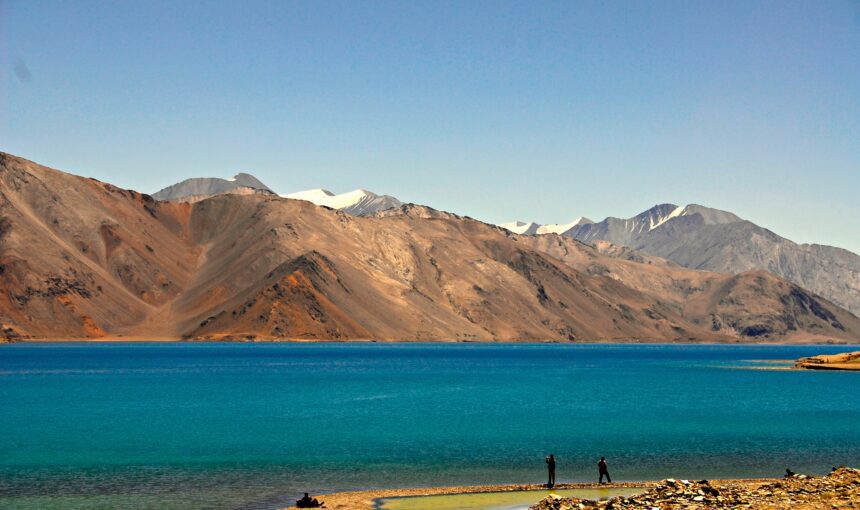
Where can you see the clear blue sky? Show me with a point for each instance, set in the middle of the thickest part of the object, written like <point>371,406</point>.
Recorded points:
<point>531,110</point>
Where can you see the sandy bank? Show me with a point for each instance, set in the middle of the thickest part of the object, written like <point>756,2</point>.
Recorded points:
<point>366,500</point>
<point>844,361</point>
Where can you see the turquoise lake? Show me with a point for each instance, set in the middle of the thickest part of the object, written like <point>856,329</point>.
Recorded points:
<point>251,426</point>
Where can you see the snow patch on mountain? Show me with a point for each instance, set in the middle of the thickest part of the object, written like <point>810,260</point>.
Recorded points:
<point>358,202</point>
<point>561,229</point>
<point>532,228</point>
<point>678,211</point>
<point>521,227</point>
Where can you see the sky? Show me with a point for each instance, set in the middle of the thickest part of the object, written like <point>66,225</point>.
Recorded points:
<point>540,111</point>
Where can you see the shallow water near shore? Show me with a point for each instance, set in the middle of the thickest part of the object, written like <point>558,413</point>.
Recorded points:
<point>251,426</point>
<point>513,500</point>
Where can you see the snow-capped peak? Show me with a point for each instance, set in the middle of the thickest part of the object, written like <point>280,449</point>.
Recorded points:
<point>515,225</point>
<point>359,202</point>
<point>317,196</point>
<point>532,228</point>
<point>559,229</point>
<point>659,220</point>
<point>327,198</point>
<point>350,198</point>
<point>521,227</point>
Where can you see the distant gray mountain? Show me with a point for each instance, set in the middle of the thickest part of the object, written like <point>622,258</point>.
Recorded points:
<point>703,238</point>
<point>198,188</point>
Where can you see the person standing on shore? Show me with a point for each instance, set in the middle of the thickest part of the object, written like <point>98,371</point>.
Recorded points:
<point>604,470</point>
<point>550,467</point>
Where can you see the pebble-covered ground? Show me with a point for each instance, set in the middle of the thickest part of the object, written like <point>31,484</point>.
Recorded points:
<point>839,489</point>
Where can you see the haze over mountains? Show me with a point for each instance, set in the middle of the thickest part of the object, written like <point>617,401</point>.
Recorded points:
<point>703,238</point>
<point>84,259</point>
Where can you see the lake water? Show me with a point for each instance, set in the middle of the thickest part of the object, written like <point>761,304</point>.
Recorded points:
<point>180,425</point>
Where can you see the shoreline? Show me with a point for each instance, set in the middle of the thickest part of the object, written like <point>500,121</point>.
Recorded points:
<point>845,362</point>
<point>369,499</point>
<point>615,341</point>
<point>838,489</point>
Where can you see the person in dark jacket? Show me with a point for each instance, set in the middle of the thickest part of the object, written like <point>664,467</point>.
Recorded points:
<point>604,470</point>
<point>550,467</point>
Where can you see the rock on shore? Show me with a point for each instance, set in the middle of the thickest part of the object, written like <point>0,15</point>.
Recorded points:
<point>839,489</point>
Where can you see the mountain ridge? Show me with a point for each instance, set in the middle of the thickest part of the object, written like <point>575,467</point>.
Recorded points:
<point>700,237</point>
<point>200,188</point>
<point>84,259</point>
<point>359,202</point>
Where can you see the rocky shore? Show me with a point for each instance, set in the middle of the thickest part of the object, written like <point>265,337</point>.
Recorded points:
<point>368,499</point>
<point>844,361</point>
<point>839,489</point>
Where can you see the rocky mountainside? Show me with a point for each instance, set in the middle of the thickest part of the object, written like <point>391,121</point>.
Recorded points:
<point>83,259</point>
<point>200,188</point>
<point>703,238</point>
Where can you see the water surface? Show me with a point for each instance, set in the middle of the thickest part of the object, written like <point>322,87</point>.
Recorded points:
<point>254,425</point>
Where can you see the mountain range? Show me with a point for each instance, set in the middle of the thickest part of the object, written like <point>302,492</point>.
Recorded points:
<point>710,239</point>
<point>80,258</point>
<point>358,203</point>
<point>693,236</point>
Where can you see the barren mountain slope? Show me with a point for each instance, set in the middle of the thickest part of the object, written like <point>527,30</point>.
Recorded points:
<point>703,238</point>
<point>754,304</point>
<point>407,276</point>
<point>80,258</point>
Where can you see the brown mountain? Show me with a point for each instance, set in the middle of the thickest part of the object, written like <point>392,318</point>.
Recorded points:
<point>83,259</point>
